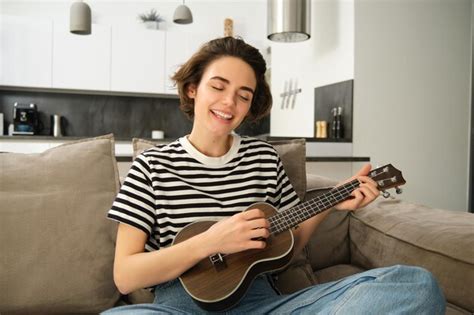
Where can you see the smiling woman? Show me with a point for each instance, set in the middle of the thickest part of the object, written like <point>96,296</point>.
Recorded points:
<point>215,175</point>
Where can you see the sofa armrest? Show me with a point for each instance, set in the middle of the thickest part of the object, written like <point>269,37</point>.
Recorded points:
<point>316,184</point>
<point>390,232</point>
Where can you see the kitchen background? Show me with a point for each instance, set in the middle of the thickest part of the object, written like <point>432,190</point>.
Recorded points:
<point>410,62</point>
<point>85,115</point>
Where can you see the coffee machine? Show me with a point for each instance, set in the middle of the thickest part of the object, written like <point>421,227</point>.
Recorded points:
<point>25,119</point>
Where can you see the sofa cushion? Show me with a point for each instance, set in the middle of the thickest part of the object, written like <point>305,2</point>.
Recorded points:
<point>292,154</point>
<point>298,275</point>
<point>140,145</point>
<point>389,232</point>
<point>57,247</point>
<point>329,244</point>
<point>293,157</point>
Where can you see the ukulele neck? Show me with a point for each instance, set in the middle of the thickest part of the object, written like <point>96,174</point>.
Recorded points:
<point>290,218</point>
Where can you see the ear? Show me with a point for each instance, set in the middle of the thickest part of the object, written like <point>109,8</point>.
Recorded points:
<point>191,91</point>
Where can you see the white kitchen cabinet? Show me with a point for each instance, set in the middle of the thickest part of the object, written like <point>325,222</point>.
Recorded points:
<point>43,53</point>
<point>177,53</point>
<point>81,61</point>
<point>180,46</point>
<point>25,51</point>
<point>138,60</point>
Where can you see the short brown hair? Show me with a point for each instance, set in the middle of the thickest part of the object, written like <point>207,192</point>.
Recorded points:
<point>191,73</point>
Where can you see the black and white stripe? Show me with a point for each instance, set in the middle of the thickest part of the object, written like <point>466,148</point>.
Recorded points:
<point>169,187</point>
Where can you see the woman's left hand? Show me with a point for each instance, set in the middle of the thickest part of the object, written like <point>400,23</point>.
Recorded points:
<point>364,194</point>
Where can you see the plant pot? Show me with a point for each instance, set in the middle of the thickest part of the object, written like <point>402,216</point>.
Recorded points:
<point>152,25</point>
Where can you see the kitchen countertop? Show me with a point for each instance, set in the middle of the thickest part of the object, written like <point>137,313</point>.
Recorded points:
<point>69,138</point>
<point>125,156</point>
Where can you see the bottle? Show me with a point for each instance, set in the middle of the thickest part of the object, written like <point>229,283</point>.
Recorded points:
<point>324,126</point>
<point>340,125</point>
<point>56,126</point>
<point>334,123</point>
<point>318,129</point>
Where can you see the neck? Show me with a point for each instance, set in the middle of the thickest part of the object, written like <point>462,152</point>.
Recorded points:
<point>292,217</point>
<point>212,146</point>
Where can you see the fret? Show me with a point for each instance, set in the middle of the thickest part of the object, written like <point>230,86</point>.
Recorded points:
<point>292,217</point>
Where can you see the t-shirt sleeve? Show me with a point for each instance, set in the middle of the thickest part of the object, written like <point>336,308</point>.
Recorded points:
<point>135,202</point>
<point>286,194</point>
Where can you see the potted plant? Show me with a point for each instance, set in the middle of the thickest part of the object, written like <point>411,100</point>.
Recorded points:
<point>151,19</point>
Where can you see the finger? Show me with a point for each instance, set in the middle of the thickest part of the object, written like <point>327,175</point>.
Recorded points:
<point>369,196</point>
<point>253,214</point>
<point>364,170</point>
<point>259,233</point>
<point>375,191</point>
<point>358,197</point>
<point>258,223</point>
<point>367,180</point>
<point>369,191</point>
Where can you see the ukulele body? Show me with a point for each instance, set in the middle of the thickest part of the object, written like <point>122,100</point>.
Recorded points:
<point>219,282</point>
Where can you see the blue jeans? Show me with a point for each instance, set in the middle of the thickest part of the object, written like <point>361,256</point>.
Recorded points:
<point>391,290</point>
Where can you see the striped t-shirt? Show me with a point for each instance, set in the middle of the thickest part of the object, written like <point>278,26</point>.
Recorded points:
<point>170,186</point>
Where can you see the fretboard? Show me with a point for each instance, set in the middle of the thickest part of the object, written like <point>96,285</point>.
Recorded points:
<point>290,218</point>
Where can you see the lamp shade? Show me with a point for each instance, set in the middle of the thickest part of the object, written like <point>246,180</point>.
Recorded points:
<point>289,20</point>
<point>80,18</point>
<point>182,15</point>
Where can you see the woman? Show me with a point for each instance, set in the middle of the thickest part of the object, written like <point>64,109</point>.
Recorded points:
<point>214,174</point>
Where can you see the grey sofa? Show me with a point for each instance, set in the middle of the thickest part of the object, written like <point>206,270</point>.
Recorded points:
<point>57,247</point>
<point>385,233</point>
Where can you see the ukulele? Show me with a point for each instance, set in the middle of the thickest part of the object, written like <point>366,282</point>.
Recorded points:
<point>220,281</point>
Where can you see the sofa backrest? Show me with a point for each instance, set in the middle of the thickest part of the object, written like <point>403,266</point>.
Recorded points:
<point>56,245</point>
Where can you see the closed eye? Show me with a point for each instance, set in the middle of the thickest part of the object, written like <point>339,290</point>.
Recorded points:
<point>244,98</point>
<point>217,88</point>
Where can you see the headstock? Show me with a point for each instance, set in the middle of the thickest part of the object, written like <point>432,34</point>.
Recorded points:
<point>387,177</point>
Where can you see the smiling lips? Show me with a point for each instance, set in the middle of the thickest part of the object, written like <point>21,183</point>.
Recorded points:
<point>222,115</point>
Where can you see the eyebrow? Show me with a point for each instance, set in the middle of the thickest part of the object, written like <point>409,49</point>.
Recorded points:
<point>246,88</point>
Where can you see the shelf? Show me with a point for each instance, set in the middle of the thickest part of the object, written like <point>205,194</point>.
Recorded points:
<point>87,92</point>
<point>70,138</point>
<point>329,140</point>
<point>337,159</point>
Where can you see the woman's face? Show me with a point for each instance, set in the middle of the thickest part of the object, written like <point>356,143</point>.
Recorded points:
<point>223,97</point>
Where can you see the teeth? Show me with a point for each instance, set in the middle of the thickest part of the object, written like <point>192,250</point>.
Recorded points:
<point>222,114</point>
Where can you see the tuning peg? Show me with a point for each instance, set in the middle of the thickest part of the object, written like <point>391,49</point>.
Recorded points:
<point>398,190</point>
<point>385,194</point>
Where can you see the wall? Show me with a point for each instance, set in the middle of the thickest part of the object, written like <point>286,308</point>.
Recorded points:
<point>411,96</point>
<point>326,58</point>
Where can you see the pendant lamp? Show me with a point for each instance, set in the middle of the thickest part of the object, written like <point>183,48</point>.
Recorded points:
<point>182,15</point>
<point>80,18</point>
<point>288,20</point>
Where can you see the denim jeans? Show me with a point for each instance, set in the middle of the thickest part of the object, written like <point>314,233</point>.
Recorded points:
<point>390,290</point>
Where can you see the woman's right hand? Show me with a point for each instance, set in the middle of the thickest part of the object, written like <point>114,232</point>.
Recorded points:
<point>240,232</point>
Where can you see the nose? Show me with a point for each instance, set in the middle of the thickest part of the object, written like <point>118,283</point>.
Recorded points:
<point>229,98</point>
